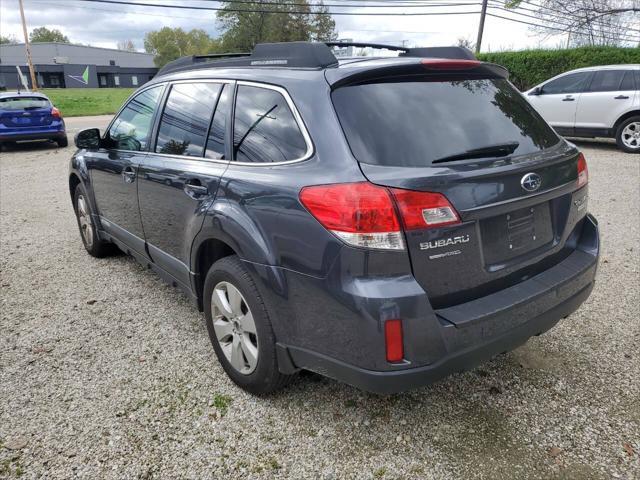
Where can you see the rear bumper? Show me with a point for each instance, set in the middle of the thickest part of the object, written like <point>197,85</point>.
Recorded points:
<point>45,135</point>
<point>471,333</point>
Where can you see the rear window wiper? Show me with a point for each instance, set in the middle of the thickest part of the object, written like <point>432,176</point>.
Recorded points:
<point>497,150</point>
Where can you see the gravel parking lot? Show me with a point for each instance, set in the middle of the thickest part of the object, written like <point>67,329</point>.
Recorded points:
<point>106,372</point>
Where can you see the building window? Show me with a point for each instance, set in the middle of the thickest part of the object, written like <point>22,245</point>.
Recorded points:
<point>55,81</point>
<point>134,80</point>
<point>112,63</point>
<point>116,80</point>
<point>103,80</point>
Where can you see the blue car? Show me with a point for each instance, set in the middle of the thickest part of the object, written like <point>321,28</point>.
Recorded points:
<point>30,116</point>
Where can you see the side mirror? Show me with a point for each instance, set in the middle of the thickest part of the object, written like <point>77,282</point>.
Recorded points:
<point>88,139</point>
<point>536,91</point>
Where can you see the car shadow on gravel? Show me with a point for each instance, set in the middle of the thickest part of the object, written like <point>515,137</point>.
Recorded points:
<point>29,146</point>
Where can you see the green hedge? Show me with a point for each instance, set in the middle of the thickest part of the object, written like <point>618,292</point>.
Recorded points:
<point>530,67</point>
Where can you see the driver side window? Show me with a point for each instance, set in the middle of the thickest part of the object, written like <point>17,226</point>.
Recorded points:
<point>130,131</point>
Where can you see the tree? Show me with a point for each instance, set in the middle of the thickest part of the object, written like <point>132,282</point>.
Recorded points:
<point>127,45</point>
<point>258,22</point>
<point>43,34</point>
<point>7,40</point>
<point>466,43</point>
<point>167,44</point>
<point>587,22</point>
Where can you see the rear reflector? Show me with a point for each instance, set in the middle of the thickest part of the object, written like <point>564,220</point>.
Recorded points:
<point>393,340</point>
<point>583,172</point>
<point>366,215</point>
<point>55,113</point>
<point>449,64</point>
<point>424,209</point>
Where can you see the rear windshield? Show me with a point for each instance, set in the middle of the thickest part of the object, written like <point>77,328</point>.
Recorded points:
<point>412,123</point>
<point>23,103</point>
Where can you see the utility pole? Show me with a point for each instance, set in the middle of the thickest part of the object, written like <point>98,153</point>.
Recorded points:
<point>483,14</point>
<point>34,83</point>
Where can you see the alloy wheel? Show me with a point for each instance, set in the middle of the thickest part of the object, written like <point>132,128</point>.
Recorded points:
<point>86,228</point>
<point>234,327</point>
<point>631,135</point>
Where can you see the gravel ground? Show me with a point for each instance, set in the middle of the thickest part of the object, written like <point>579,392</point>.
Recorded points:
<point>106,372</point>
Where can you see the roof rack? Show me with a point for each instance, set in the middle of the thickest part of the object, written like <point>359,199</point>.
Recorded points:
<point>315,55</point>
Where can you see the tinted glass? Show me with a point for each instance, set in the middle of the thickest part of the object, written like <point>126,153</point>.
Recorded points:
<point>215,144</point>
<point>606,81</point>
<point>265,130</point>
<point>413,123</point>
<point>186,117</point>
<point>572,83</point>
<point>627,81</point>
<point>24,103</point>
<point>130,131</point>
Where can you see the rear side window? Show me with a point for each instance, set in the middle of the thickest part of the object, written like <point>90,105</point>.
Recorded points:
<point>130,130</point>
<point>572,83</point>
<point>627,81</point>
<point>185,120</point>
<point>24,103</point>
<point>265,129</point>
<point>412,123</point>
<point>606,81</point>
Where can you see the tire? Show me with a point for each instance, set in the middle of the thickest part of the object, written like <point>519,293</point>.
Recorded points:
<point>628,135</point>
<point>62,142</point>
<point>237,341</point>
<point>88,233</point>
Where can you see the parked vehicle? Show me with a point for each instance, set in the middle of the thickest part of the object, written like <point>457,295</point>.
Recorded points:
<point>599,101</point>
<point>381,221</point>
<point>30,116</point>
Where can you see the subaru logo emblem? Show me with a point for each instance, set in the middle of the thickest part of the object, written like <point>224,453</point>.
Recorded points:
<point>531,182</point>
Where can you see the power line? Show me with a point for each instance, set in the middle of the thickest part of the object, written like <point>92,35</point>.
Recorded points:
<point>215,9</point>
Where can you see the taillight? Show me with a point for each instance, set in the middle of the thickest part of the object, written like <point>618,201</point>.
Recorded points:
<point>361,214</point>
<point>583,171</point>
<point>55,113</point>
<point>449,64</point>
<point>366,215</point>
<point>424,209</point>
<point>393,340</point>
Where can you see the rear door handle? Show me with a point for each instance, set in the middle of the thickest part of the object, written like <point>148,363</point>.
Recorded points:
<point>195,189</point>
<point>621,97</point>
<point>129,175</point>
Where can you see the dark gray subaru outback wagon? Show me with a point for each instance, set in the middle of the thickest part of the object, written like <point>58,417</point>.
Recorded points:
<point>382,221</point>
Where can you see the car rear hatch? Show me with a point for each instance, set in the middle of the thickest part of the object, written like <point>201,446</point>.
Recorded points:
<point>25,111</point>
<point>459,128</point>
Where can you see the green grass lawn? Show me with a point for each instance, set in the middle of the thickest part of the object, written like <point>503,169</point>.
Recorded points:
<point>75,102</point>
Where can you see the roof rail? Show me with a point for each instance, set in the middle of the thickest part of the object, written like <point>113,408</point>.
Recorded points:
<point>314,55</point>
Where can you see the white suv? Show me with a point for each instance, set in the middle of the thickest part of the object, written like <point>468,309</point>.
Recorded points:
<point>599,101</point>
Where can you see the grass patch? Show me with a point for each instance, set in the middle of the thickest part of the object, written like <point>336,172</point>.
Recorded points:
<point>75,102</point>
<point>221,402</point>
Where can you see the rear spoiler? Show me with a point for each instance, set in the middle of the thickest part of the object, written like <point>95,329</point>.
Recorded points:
<point>444,68</point>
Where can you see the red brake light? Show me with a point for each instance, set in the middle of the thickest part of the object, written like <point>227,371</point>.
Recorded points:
<point>393,340</point>
<point>361,214</point>
<point>55,113</point>
<point>449,64</point>
<point>583,171</point>
<point>366,215</point>
<point>424,209</point>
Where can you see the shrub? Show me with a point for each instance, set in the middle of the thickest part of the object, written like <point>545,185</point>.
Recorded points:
<point>531,67</point>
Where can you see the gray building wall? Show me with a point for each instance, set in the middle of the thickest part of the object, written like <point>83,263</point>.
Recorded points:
<point>48,53</point>
<point>61,65</point>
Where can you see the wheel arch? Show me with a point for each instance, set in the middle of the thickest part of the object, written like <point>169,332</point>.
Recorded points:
<point>74,181</point>
<point>208,251</point>
<point>624,117</point>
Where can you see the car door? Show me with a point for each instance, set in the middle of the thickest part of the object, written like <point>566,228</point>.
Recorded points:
<point>179,177</point>
<point>114,168</point>
<point>609,95</point>
<point>557,100</point>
